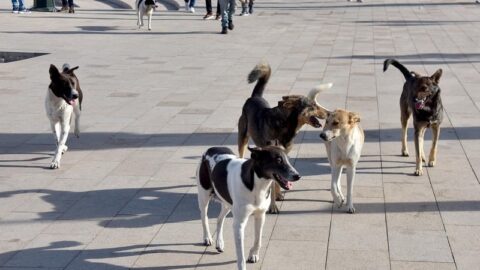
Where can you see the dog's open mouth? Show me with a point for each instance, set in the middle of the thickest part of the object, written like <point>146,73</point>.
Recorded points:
<point>314,122</point>
<point>419,103</point>
<point>71,101</point>
<point>284,183</point>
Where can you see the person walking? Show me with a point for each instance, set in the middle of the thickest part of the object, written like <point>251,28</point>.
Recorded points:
<point>18,6</point>
<point>190,6</point>
<point>68,6</point>
<point>247,7</point>
<point>227,9</point>
<point>209,15</point>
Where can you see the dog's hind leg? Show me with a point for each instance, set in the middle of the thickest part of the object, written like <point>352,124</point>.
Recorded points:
<point>351,170</point>
<point>139,23</point>
<point>242,135</point>
<point>150,20</point>
<point>255,251</point>
<point>336,193</point>
<point>433,151</point>
<point>220,220</point>
<point>273,209</point>
<point>203,201</point>
<point>404,116</point>
<point>419,134</point>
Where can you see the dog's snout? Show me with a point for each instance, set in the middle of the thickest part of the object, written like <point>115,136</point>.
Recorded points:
<point>296,177</point>
<point>74,96</point>
<point>323,136</point>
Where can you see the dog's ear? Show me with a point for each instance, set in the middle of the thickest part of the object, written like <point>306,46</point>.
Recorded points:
<point>255,152</point>
<point>436,76</point>
<point>353,117</point>
<point>54,73</point>
<point>70,71</point>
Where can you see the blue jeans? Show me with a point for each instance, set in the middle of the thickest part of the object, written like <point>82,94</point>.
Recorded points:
<point>18,5</point>
<point>191,4</point>
<point>227,9</point>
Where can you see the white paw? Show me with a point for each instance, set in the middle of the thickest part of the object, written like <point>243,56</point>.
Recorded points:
<point>405,153</point>
<point>431,163</point>
<point>77,133</point>
<point>253,258</point>
<point>351,209</point>
<point>220,246</point>
<point>55,164</point>
<point>338,201</point>
<point>418,172</point>
<point>207,241</point>
<point>149,29</point>
<point>64,149</point>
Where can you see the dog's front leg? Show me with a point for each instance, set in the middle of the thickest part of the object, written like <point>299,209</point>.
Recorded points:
<point>336,193</point>
<point>220,221</point>
<point>150,20</point>
<point>273,209</point>
<point>433,151</point>
<point>240,218</point>
<point>351,170</point>
<point>419,133</point>
<point>62,147</point>
<point>139,23</point>
<point>56,131</point>
<point>255,251</point>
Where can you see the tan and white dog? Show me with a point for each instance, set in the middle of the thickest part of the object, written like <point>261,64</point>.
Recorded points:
<point>64,98</point>
<point>145,7</point>
<point>344,139</point>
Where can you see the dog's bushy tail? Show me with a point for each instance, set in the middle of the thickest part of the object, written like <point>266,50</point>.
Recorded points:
<point>406,73</point>
<point>312,95</point>
<point>261,73</point>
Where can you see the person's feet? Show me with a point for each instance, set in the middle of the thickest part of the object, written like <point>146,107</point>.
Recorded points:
<point>191,9</point>
<point>218,17</point>
<point>230,25</point>
<point>208,16</point>
<point>224,30</point>
<point>24,11</point>
<point>64,9</point>
<point>71,10</point>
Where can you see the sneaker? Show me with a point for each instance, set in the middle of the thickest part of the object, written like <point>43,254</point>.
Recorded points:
<point>191,10</point>
<point>218,17</point>
<point>64,9</point>
<point>208,16</point>
<point>24,11</point>
<point>71,10</point>
<point>186,7</point>
<point>15,11</point>
<point>230,25</point>
<point>224,30</point>
<point>244,11</point>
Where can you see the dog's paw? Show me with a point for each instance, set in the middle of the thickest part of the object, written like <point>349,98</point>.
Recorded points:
<point>207,242</point>
<point>253,258</point>
<point>405,153</point>
<point>64,149</point>
<point>338,201</point>
<point>418,172</point>
<point>77,133</point>
<point>273,209</point>
<point>220,246</point>
<point>431,163</point>
<point>351,210</point>
<point>149,29</point>
<point>55,164</point>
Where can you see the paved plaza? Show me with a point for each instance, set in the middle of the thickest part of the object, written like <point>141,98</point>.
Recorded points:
<point>125,195</point>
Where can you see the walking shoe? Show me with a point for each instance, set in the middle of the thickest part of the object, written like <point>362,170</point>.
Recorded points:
<point>64,9</point>
<point>208,16</point>
<point>24,11</point>
<point>230,25</point>
<point>71,10</point>
<point>191,10</point>
<point>244,11</point>
<point>15,11</point>
<point>218,17</point>
<point>224,30</point>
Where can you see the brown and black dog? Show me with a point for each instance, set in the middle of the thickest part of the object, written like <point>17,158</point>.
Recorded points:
<point>420,98</point>
<point>278,125</point>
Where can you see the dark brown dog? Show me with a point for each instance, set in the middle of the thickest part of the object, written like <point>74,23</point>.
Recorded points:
<point>277,125</point>
<point>420,98</point>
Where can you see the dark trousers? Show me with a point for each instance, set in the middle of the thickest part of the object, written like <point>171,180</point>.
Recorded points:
<point>208,4</point>
<point>70,3</point>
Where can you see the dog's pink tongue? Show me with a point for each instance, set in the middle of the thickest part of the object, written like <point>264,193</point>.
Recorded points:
<point>72,102</point>
<point>419,105</point>
<point>289,184</point>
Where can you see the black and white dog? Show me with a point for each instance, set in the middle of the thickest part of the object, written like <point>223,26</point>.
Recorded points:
<point>145,7</point>
<point>243,187</point>
<point>64,96</point>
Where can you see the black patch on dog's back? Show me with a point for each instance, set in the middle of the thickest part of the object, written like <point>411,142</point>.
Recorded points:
<point>218,151</point>
<point>219,179</point>
<point>247,174</point>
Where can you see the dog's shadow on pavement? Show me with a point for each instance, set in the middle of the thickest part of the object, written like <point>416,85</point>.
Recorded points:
<point>62,252</point>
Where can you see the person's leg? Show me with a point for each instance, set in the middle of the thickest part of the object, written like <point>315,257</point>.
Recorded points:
<point>208,6</point>
<point>15,6</point>
<point>192,3</point>
<point>186,5</point>
<point>244,7</point>
<point>224,13</point>
<point>71,6</point>
<point>64,6</point>
<point>218,10</point>
<point>231,13</point>
<point>250,7</point>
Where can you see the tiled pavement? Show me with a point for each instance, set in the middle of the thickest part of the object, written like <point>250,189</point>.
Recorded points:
<point>125,195</point>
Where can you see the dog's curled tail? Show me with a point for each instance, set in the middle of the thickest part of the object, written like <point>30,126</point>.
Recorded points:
<point>317,89</point>
<point>406,73</point>
<point>261,74</point>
